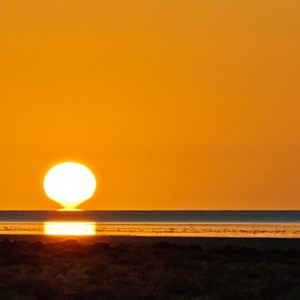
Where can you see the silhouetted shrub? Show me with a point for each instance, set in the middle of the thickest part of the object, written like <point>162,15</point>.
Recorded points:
<point>98,248</point>
<point>294,293</point>
<point>239,254</point>
<point>37,246</point>
<point>34,287</point>
<point>165,245</point>
<point>69,243</point>
<point>93,295</point>
<point>196,248</point>
<point>182,285</point>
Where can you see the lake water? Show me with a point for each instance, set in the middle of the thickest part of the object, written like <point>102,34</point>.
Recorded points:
<point>283,224</point>
<point>154,216</point>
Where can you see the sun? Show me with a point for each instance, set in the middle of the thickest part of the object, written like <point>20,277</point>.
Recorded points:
<point>70,184</point>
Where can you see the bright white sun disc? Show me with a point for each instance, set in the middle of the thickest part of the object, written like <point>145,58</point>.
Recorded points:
<point>70,184</point>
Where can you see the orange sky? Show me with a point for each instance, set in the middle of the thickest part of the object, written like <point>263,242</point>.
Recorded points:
<point>174,105</point>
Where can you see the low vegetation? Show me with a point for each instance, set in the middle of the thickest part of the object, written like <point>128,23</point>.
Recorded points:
<point>71,270</point>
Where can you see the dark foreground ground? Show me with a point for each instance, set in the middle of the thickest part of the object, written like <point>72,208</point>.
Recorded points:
<point>148,268</point>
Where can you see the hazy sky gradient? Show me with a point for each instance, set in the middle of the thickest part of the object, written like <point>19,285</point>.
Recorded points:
<point>174,105</point>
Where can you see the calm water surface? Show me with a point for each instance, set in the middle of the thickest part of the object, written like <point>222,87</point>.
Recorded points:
<point>154,216</point>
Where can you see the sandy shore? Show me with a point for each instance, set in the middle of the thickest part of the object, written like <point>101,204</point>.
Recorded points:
<point>226,230</point>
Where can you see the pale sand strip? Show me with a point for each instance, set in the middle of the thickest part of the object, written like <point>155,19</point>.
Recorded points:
<point>246,230</point>
<point>202,230</point>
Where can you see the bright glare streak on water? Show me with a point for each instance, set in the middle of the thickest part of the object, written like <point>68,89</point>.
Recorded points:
<point>70,228</point>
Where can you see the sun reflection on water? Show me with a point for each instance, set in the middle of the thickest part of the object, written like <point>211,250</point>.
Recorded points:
<point>70,228</point>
